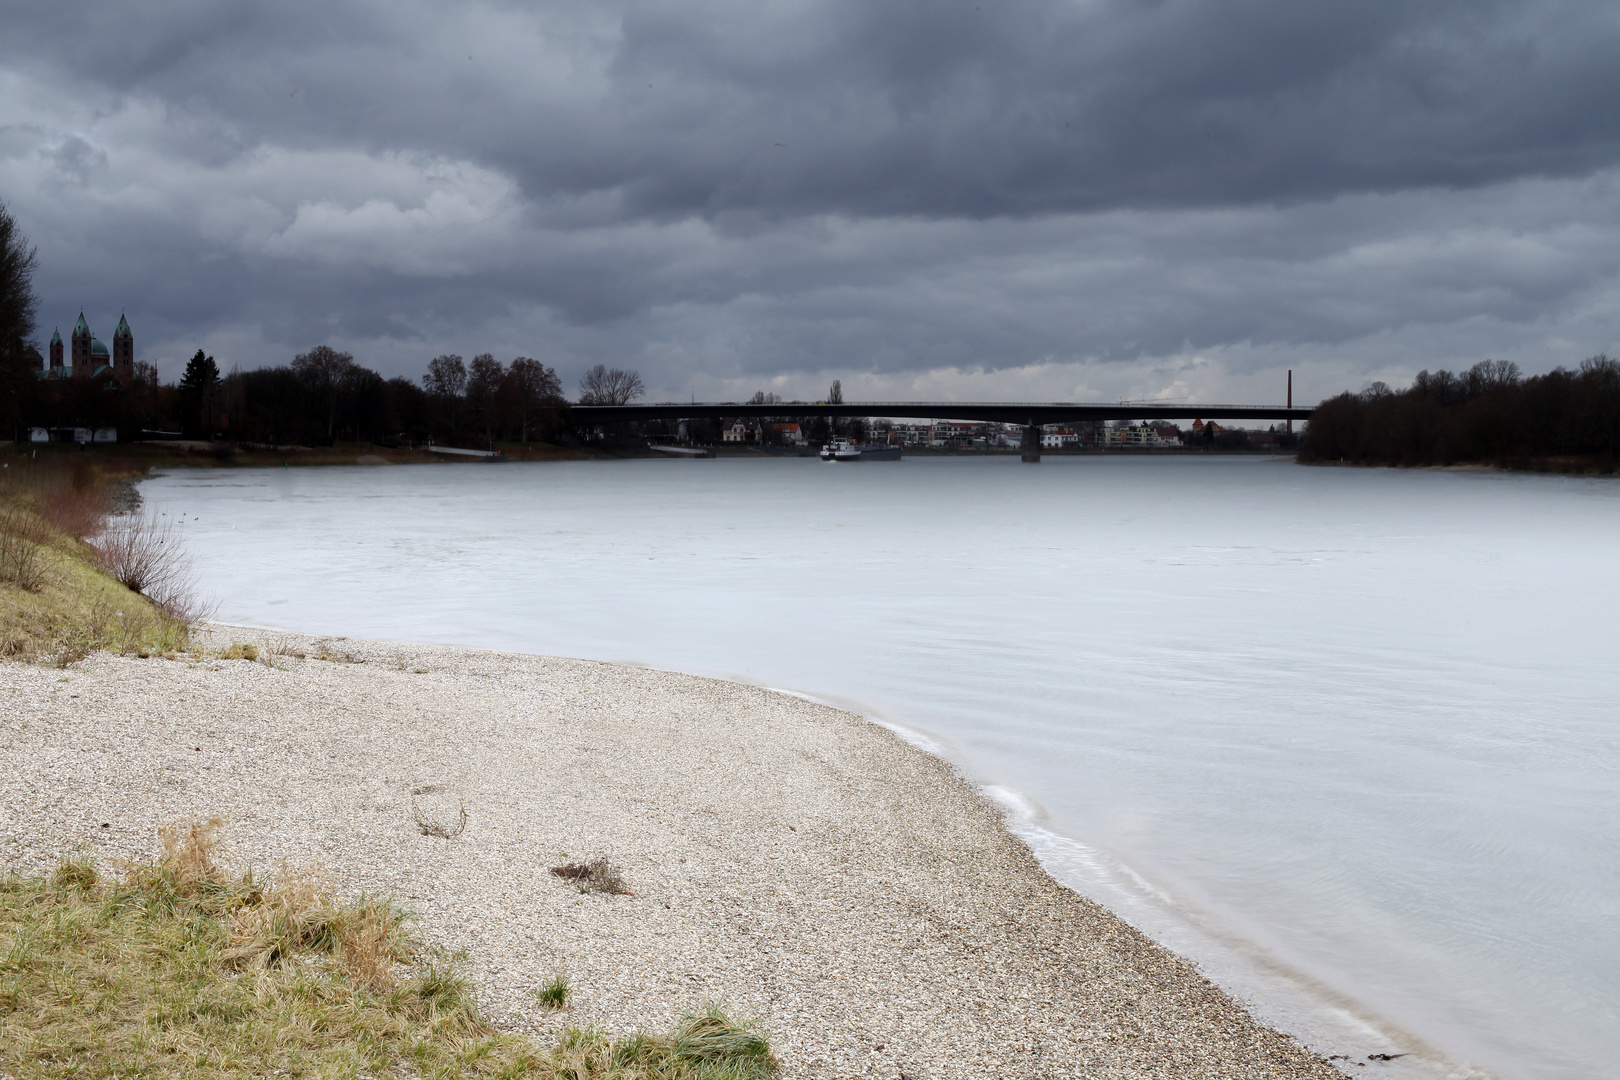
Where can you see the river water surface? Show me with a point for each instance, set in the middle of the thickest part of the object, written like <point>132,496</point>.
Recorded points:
<point>1347,738</point>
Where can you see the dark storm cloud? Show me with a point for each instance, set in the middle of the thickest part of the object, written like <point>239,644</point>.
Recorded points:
<point>749,190</point>
<point>1015,107</point>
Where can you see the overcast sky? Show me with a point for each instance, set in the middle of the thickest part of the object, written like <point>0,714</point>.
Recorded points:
<point>1042,199</point>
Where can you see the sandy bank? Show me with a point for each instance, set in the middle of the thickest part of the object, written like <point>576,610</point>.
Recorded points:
<point>801,865</point>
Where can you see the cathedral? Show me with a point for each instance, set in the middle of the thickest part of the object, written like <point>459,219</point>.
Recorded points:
<point>90,358</point>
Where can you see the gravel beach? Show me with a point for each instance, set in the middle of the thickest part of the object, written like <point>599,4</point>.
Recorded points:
<point>801,865</point>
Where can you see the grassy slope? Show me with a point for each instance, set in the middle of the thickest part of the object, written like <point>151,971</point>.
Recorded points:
<point>78,610</point>
<point>55,601</point>
<point>177,970</point>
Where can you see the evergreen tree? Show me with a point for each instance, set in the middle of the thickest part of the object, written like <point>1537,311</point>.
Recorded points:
<point>18,304</point>
<point>196,393</point>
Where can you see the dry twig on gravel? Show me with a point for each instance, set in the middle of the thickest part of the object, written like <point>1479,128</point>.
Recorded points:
<point>433,826</point>
<point>594,875</point>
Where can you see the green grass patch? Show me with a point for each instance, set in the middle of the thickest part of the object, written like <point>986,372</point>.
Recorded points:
<point>177,969</point>
<point>553,993</point>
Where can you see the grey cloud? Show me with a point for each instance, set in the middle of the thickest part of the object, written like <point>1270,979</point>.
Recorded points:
<point>950,109</point>
<point>748,191</point>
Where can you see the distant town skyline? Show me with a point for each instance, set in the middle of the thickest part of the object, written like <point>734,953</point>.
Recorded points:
<point>1036,200</point>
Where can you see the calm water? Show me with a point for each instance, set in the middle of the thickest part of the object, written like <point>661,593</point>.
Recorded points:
<point>1349,738</point>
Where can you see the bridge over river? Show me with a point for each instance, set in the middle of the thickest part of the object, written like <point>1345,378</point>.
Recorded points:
<point>1030,415</point>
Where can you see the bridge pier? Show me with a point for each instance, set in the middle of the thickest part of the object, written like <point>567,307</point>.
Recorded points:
<point>1030,445</point>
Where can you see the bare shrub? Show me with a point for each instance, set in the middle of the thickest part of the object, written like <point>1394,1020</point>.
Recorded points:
<point>132,632</point>
<point>66,496</point>
<point>81,512</point>
<point>20,561</point>
<point>594,875</point>
<point>69,653</point>
<point>144,553</point>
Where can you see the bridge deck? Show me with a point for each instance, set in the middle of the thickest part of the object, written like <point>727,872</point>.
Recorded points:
<point>1025,413</point>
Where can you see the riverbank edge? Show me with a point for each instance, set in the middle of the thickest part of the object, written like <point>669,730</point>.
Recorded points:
<point>147,456</point>
<point>329,660</point>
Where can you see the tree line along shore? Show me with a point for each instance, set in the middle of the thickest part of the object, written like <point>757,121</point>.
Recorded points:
<point>1563,421</point>
<point>1566,420</point>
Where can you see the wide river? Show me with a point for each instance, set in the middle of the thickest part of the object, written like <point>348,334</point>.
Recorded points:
<point>1348,738</point>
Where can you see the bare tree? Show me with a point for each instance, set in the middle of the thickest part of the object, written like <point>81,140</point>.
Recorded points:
<point>531,388</point>
<point>484,378</point>
<point>609,386</point>
<point>1488,375</point>
<point>324,374</point>
<point>445,382</point>
<point>446,376</point>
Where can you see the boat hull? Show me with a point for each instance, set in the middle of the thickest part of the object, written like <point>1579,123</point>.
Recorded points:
<point>861,453</point>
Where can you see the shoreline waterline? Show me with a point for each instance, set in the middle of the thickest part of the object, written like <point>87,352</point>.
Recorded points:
<point>849,891</point>
<point>1326,1021</point>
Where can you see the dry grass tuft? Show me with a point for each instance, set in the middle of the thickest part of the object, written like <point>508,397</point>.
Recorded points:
<point>75,875</point>
<point>706,1045</point>
<point>594,875</point>
<point>189,850</point>
<point>297,912</point>
<point>239,652</point>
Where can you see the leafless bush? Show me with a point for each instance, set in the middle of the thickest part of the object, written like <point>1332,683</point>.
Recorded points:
<point>130,632</point>
<point>594,875</point>
<point>144,552</point>
<point>69,652</point>
<point>20,561</point>
<point>78,511</point>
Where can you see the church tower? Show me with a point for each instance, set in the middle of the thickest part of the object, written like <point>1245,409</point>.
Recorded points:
<point>56,353</point>
<point>81,348</point>
<point>123,352</point>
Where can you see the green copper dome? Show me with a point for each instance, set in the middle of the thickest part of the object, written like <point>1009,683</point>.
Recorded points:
<point>97,348</point>
<point>123,329</point>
